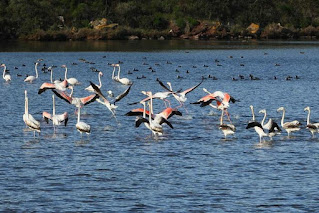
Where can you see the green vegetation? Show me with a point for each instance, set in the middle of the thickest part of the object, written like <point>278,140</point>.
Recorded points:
<point>198,19</point>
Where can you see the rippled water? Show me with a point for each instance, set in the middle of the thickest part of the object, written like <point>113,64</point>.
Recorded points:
<point>119,168</point>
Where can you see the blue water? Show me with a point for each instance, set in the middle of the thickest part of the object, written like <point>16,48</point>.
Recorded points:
<point>120,168</point>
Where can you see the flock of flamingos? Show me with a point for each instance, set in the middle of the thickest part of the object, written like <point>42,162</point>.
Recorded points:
<point>218,100</point>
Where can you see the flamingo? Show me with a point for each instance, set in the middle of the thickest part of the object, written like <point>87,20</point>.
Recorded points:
<point>90,88</point>
<point>114,77</point>
<point>259,129</point>
<point>252,112</point>
<point>158,95</point>
<point>227,129</point>
<point>105,102</point>
<point>271,125</point>
<point>28,119</point>
<point>288,126</point>
<point>78,102</point>
<point>124,81</point>
<point>179,96</point>
<point>32,78</point>
<point>5,76</point>
<point>72,81</point>
<point>313,127</point>
<point>57,86</point>
<point>81,126</point>
<point>154,125</point>
<point>166,113</point>
<point>56,119</point>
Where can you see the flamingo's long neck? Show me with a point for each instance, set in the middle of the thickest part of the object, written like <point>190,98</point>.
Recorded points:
<point>113,72</point>
<point>53,101</point>
<point>151,109</point>
<point>118,73</point>
<point>253,113</point>
<point>283,117</point>
<point>100,80</point>
<point>262,122</point>
<point>71,94</point>
<point>79,112</point>
<point>308,117</point>
<point>36,70</point>
<point>4,71</point>
<point>65,73</point>
<point>144,111</point>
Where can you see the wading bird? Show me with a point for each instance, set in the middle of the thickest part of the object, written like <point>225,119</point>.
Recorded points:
<point>28,119</point>
<point>288,126</point>
<point>5,76</point>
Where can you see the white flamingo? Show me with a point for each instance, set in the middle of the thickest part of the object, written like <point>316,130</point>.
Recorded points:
<point>124,81</point>
<point>114,77</point>
<point>56,119</point>
<point>28,119</point>
<point>81,126</point>
<point>5,76</point>
<point>90,88</point>
<point>72,81</point>
<point>313,127</point>
<point>32,78</point>
<point>288,126</point>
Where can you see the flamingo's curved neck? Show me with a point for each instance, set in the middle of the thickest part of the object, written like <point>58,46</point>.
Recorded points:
<point>283,117</point>
<point>36,70</point>
<point>53,101</point>
<point>308,117</point>
<point>4,71</point>
<point>262,122</point>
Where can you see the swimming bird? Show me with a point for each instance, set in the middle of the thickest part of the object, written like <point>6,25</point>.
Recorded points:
<point>32,78</point>
<point>313,127</point>
<point>72,81</point>
<point>288,126</point>
<point>90,88</point>
<point>5,76</point>
<point>56,119</point>
<point>28,119</point>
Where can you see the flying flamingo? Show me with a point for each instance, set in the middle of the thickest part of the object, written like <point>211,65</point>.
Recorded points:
<point>102,99</point>
<point>59,85</point>
<point>288,126</point>
<point>154,125</point>
<point>56,119</point>
<point>5,76</point>
<point>32,78</point>
<point>313,127</point>
<point>179,96</point>
<point>90,88</point>
<point>81,126</point>
<point>72,81</point>
<point>158,95</point>
<point>28,119</point>
<point>78,102</point>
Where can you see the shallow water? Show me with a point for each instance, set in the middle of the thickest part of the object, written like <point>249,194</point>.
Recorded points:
<point>120,168</point>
